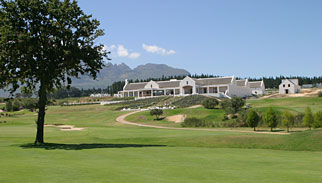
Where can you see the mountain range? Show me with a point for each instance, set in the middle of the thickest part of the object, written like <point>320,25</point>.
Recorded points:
<point>119,72</point>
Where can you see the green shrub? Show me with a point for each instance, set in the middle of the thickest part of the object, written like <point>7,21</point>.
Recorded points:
<point>320,94</point>
<point>242,117</point>
<point>196,122</point>
<point>225,118</point>
<point>233,105</point>
<point>9,106</point>
<point>156,112</point>
<point>298,119</point>
<point>210,103</point>
<point>21,103</point>
<point>317,120</point>
<point>31,104</point>
<point>16,105</point>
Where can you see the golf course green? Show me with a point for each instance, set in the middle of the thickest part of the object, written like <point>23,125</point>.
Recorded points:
<point>107,151</point>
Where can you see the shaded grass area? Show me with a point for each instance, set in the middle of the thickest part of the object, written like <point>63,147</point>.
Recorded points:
<point>53,146</point>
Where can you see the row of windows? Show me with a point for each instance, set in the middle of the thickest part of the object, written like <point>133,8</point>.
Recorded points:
<point>288,85</point>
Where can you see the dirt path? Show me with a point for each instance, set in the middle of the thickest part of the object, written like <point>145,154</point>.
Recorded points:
<point>121,119</point>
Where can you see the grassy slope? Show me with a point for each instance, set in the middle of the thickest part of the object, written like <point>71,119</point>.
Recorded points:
<point>109,152</point>
<point>296,104</point>
<point>215,115</point>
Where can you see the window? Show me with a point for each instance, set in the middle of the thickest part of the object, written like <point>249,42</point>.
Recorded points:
<point>187,82</point>
<point>289,85</point>
<point>283,85</point>
<point>151,86</point>
<point>215,90</point>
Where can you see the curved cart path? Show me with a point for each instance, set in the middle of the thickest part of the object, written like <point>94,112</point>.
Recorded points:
<point>121,119</point>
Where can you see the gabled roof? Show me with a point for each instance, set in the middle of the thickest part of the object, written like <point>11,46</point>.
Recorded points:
<point>169,84</point>
<point>135,86</point>
<point>255,84</point>
<point>212,81</point>
<point>241,82</point>
<point>293,81</point>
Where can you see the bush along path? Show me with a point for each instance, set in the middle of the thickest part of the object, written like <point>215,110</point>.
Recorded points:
<point>121,119</point>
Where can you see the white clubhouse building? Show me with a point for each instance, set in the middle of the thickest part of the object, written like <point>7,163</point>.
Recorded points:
<point>217,87</point>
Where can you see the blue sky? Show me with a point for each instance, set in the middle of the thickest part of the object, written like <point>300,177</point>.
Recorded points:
<point>227,37</point>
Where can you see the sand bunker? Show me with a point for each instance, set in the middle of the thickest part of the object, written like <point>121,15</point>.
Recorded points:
<point>66,127</point>
<point>177,118</point>
<point>194,106</point>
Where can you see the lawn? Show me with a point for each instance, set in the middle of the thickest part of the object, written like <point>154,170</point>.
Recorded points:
<point>110,152</point>
<point>296,104</point>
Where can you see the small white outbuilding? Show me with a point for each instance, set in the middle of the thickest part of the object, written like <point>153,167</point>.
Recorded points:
<point>289,86</point>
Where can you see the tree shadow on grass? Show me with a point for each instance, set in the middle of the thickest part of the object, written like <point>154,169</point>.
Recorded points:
<point>159,119</point>
<point>270,130</point>
<point>53,146</point>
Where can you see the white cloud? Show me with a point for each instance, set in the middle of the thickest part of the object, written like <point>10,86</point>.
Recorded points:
<point>121,51</point>
<point>134,55</point>
<point>157,50</point>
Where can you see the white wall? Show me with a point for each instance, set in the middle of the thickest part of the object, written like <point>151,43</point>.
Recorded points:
<point>291,89</point>
<point>238,91</point>
<point>191,82</point>
<point>258,91</point>
<point>151,83</point>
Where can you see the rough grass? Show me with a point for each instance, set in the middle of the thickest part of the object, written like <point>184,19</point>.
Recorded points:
<point>110,152</point>
<point>190,101</point>
<point>142,103</point>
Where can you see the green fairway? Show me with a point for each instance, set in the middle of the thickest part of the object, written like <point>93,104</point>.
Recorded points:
<point>296,104</point>
<point>106,151</point>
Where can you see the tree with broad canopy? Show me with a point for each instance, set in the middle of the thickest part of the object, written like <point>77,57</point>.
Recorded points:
<point>43,43</point>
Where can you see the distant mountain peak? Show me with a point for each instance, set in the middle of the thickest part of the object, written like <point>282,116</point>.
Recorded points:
<point>117,72</point>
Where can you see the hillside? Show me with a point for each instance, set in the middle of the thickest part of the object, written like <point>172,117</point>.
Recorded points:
<point>117,72</point>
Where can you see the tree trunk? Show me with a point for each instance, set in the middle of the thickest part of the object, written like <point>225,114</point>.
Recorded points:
<point>254,128</point>
<point>271,129</point>
<point>288,129</point>
<point>42,93</point>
